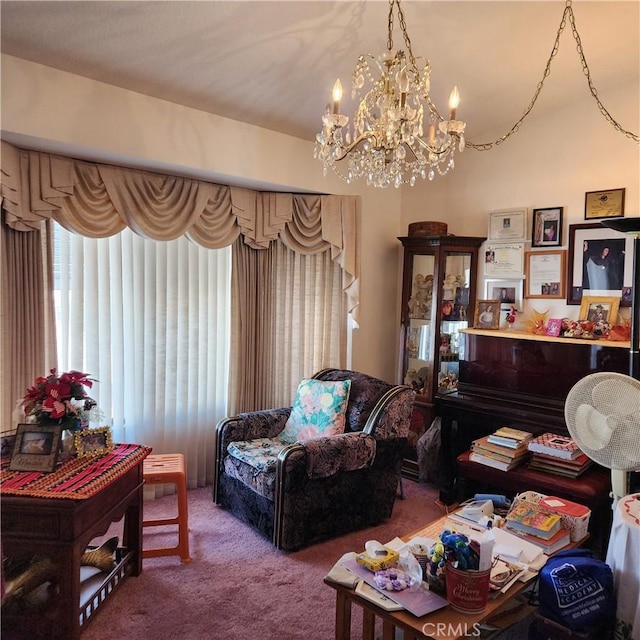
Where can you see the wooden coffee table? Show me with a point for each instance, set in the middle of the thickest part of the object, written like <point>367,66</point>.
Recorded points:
<point>444,624</point>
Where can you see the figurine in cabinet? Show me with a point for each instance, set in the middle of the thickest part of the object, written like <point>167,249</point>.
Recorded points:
<point>420,302</point>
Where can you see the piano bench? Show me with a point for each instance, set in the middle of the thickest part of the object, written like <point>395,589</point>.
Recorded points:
<point>591,489</point>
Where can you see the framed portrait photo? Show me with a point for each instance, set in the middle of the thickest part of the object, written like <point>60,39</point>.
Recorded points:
<point>507,292</point>
<point>596,309</point>
<point>600,263</point>
<point>93,442</point>
<point>487,314</point>
<point>36,448</point>
<point>604,204</point>
<point>546,227</point>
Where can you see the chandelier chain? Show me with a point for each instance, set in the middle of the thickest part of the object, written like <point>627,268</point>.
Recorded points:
<point>567,13</point>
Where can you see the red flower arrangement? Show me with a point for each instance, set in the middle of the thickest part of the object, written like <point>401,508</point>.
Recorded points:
<point>61,399</point>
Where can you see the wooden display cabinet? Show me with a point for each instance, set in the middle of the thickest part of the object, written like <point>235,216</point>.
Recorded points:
<point>438,300</point>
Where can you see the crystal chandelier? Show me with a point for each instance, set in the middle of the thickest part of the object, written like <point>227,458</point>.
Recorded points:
<point>387,143</point>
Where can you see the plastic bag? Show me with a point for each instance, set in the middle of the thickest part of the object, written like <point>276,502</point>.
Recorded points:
<point>409,564</point>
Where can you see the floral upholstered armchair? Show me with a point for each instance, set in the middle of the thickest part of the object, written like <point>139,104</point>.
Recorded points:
<point>326,466</point>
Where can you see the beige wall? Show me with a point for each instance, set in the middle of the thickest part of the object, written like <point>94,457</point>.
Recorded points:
<point>552,161</point>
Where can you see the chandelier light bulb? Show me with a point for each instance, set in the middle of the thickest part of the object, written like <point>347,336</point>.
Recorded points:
<point>337,96</point>
<point>454,101</point>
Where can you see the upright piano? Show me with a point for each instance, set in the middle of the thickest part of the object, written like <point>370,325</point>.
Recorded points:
<point>510,378</point>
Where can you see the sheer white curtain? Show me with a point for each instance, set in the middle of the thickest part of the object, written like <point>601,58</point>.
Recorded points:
<point>310,318</point>
<point>151,322</point>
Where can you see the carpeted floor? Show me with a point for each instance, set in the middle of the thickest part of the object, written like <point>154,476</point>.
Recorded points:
<point>238,587</point>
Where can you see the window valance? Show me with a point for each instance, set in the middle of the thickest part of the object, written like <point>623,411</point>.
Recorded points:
<point>98,201</point>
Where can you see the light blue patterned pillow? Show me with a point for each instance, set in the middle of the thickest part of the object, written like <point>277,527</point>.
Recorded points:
<point>318,410</point>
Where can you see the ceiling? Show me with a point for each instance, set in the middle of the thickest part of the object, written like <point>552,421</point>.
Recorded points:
<point>273,64</point>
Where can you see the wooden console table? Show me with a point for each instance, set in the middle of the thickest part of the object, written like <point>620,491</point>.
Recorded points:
<point>61,528</point>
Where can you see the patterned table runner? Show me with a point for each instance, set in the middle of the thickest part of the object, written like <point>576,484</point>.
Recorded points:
<point>76,479</point>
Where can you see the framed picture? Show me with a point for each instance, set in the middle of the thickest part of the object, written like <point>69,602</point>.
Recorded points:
<point>36,448</point>
<point>7,440</point>
<point>93,442</point>
<point>604,204</point>
<point>597,309</point>
<point>508,225</point>
<point>545,274</point>
<point>600,263</point>
<point>503,260</point>
<point>554,327</point>
<point>507,292</point>
<point>546,227</point>
<point>487,314</point>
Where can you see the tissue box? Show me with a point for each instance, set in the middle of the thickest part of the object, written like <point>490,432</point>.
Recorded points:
<point>575,517</point>
<point>379,563</point>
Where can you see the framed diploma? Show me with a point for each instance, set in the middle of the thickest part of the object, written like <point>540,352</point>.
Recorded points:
<point>604,204</point>
<point>544,274</point>
<point>503,260</point>
<point>508,225</point>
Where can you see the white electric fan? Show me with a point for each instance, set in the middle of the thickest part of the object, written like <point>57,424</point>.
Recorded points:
<point>602,412</point>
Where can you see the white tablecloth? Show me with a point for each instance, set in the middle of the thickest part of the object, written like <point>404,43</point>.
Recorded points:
<point>623,556</point>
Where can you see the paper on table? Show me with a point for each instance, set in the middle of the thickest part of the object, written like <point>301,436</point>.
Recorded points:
<point>508,545</point>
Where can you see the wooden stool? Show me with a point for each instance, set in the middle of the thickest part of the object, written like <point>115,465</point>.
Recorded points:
<point>161,469</point>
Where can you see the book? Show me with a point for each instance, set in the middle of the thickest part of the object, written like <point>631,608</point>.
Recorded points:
<point>502,465</point>
<point>488,453</point>
<point>529,517</point>
<point>558,466</point>
<point>554,445</point>
<point>484,445</point>
<point>560,539</point>
<point>508,437</point>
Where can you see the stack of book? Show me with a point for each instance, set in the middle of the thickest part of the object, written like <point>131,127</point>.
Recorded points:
<point>559,455</point>
<point>504,449</point>
<point>532,522</point>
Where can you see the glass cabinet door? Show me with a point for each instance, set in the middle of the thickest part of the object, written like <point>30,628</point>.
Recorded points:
<point>456,314</point>
<point>438,298</point>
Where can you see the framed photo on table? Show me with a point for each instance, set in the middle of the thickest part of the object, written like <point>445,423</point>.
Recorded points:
<point>487,314</point>
<point>600,263</point>
<point>508,225</point>
<point>93,442</point>
<point>597,309</point>
<point>546,227</point>
<point>545,274</point>
<point>36,448</point>
<point>604,204</point>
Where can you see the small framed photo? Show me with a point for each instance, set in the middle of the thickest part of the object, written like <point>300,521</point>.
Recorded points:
<point>596,309</point>
<point>487,314</point>
<point>604,204</point>
<point>93,442</point>
<point>554,327</point>
<point>36,448</point>
<point>547,227</point>
<point>545,274</point>
<point>508,225</point>
<point>7,440</point>
<point>507,292</point>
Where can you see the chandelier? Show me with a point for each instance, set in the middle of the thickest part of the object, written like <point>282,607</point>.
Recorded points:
<point>386,143</point>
